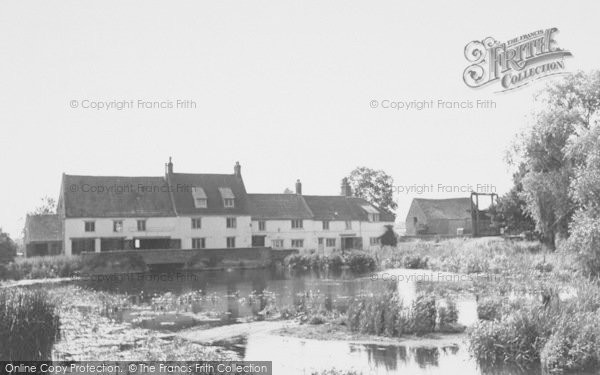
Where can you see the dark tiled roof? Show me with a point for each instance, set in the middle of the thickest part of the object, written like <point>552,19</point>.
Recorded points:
<point>278,206</point>
<point>182,183</point>
<point>453,208</point>
<point>341,208</point>
<point>42,228</point>
<point>121,196</point>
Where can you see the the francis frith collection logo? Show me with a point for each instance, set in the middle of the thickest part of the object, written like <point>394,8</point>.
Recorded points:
<point>514,63</point>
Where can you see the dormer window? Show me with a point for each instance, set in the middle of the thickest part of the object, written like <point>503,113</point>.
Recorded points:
<point>199,197</point>
<point>228,197</point>
<point>372,213</point>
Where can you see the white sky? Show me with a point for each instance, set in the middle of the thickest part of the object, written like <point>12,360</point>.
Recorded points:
<point>282,86</point>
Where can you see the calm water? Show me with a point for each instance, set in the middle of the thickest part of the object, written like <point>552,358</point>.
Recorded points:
<point>177,301</point>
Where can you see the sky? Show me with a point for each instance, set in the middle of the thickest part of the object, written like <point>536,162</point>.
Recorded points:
<point>284,87</point>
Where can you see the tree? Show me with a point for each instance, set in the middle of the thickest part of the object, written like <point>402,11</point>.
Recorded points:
<point>8,248</point>
<point>48,206</point>
<point>511,208</point>
<point>569,108</point>
<point>376,187</point>
<point>288,191</point>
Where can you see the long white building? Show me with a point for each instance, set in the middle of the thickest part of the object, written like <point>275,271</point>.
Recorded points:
<point>196,211</point>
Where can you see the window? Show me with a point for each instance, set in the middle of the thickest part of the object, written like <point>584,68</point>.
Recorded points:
<point>320,241</point>
<point>228,197</point>
<point>297,243</point>
<point>277,244</point>
<point>141,225</point>
<point>200,202</point>
<point>198,243</point>
<point>230,242</point>
<point>325,224</point>
<point>90,226</point>
<point>196,223</point>
<point>330,242</point>
<point>297,224</point>
<point>117,226</point>
<point>199,197</point>
<point>374,241</point>
<point>348,224</point>
<point>231,222</point>
<point>262,225</point>
<point>81,245</point>
<point>373,217</point>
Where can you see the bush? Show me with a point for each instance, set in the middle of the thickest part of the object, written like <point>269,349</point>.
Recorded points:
<point>44,267</point>
<point>575,346</point>
<point>489,309</point>
<point>29,325</point>
<point>585,243</point>
<point>361,262</point>
<point>416,261</point>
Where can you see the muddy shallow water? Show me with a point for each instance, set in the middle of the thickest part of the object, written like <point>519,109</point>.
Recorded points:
<point>176,302</point>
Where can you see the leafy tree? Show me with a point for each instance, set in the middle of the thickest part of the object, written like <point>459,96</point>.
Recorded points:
<point>374,186</point>
<point>569,108</point>
<point>8,248</point>
<point>288,191</point>
<point>48,206</point>
<point>511,208</point>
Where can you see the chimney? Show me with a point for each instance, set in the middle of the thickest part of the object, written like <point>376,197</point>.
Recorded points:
<point>237,169</point>
<point>298,187</point>
<point>169,167</point>
<point>346,189</point>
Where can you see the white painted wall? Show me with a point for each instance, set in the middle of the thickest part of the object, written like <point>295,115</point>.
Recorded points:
<point>313,229</point>
<point>213,229</point>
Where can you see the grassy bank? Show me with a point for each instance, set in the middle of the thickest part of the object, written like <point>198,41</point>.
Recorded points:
<point>539,308</point>
<point>60,266</point>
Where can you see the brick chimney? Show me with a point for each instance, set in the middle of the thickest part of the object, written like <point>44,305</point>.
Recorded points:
<point>346,189</point>
<point>169,167</point>
<point>298,187</point>
<point>237,169</point>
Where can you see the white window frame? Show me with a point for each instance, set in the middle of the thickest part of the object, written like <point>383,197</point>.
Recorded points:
<point>297,224</point>
<point>196,223</point>
<point>231,223</point>
<point>230,242</point>
<point>199,243</point>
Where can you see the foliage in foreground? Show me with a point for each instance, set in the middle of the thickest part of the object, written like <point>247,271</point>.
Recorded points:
<point>562,335</point>
<point>386,314</point>
<point>58,266</point>
<point>29,325</point>
<point>357,261</point>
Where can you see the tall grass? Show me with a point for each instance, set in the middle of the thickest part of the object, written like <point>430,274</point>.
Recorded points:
<point>564,335</point>
<point>357,261</point>
<point>29,325</point>
<point>388,315</point>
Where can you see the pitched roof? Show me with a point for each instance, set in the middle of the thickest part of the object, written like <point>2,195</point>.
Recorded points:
<point>42,228</point>
<point>216,187</point>
<point>339,207</point>
<point>111,196</point>
<point>278,206</point>
<point>453,208</point>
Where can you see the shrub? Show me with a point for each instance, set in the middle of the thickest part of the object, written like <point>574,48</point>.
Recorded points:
<point>584,241</point>
<point>361,262</point>
<point>416,261</point>
<point>44,267</point>
<point>29,325</point>
<point>489,309</point>
<point>518,337</point>
<point>423,315</point>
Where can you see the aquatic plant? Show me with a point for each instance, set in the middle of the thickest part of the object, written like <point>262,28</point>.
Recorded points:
<point>29,325</point>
